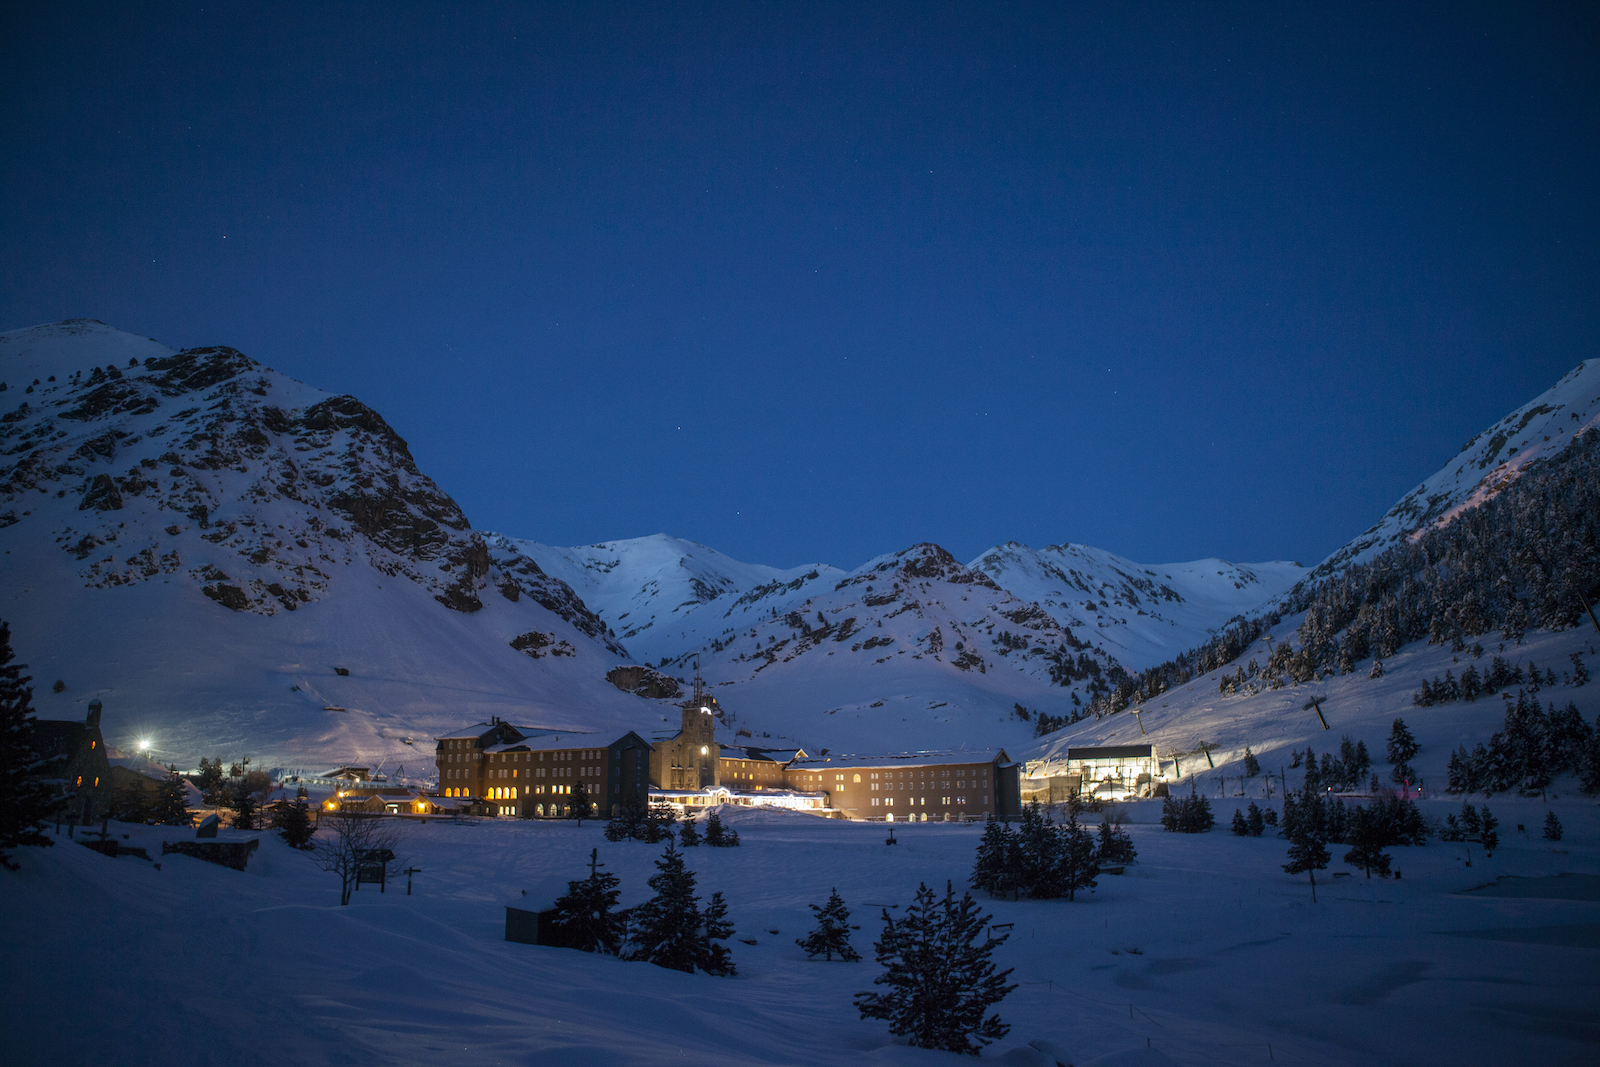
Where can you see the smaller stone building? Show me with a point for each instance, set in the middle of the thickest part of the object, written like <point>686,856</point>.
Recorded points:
<point>75,755</point>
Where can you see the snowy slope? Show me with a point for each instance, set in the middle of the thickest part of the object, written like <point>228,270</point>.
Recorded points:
<point>1273,723</point>
<point>1487,464</point>
<point>1203,954</point>
<point>200,541</point>
<point>664,595</point>
<point>1142,614</point>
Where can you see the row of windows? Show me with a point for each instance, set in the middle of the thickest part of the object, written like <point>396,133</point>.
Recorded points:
<point>896,775</point>
<point>509,792</point>
<point>888,802</point>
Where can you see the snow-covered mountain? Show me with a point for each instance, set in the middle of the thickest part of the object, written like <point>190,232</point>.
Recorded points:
<point>239,563</point>
<point>663,595</point>
<point>911,650</point>
<point>1142,614</point>
<point>1487,464</point>
<point>1209,725</point>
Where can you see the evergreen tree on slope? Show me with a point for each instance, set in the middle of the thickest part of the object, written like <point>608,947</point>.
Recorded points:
<point>172,801</point>
<point>940,977</point>
<point>993,866</point>
<point>26,801</point>
<point>1075,863</point>
<point>667,926</point>
<point>1306,853</point>
<point>832,933</point>
<point>714,956</point>
<point>585,913</point>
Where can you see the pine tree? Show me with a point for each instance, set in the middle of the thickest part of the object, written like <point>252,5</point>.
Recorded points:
<point>1489,831</point>
<point>940,976</point>
<point>718,835</point>
<point>1552,826</point>
<point>992,865</point>
<point>585,915</point>
<point>1038,855</point>
<point>1306,853</point>
<point>579,808</point>
<point>832,934</point>
<point>1367,840</point>
<point>628,822</point>
<point>714,955</point>
<point>244,811</point>
<point>26,800</point>
<point>1255,822</point>
<point>658,822</point>
<point>1115,846</point>
<point>689,834</point>
<point>1252,766</point>
<point>1238,825</point>
<point>210,781</point>
<point>1377,669</point>
<point>292,821</point>
<point>1075,851</point>
<point>172,802</point>
<point>666,928</point>
<point>1470,823</point>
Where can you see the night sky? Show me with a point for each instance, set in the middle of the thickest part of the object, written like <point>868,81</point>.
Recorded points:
<point>813,282</point>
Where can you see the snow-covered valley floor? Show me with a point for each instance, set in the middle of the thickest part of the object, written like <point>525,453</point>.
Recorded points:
<point>1205,952</point>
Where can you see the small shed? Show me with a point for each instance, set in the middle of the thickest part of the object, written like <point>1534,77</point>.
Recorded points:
<point>530,918</point>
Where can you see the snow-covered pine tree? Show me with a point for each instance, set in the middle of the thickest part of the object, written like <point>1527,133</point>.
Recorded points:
<point>585,915</point>
<point>1239,826</point>
<point>940,976</point>
<point>658,822</point>
<point>244,810</point>
<point>1076,861</point>
<point>832,933</point>
<point>1252,766</point>
<point>1589,763</point>
<point>992,864</point>
<point>628,822</point>
<point>1306,853</point>
<point>689,833</point>
<point>1489,831</point>
<point>1115,846</point>
<point>1366,838</point>
<point>579,807</point>
<point>1377,669</point>
<point>292,821</point>
<point>666,928</point>
<point>714,955</point>
<point>1038,855</point>
<point>718,835</point>
<point>1552,826</point>
<point>172,801</point>
<point>26,801</point>
<point>1254,821</point>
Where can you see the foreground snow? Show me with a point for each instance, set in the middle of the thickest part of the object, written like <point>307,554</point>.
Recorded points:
<point>1205,953</point>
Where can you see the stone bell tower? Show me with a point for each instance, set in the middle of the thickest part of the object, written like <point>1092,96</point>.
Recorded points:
<point>696,742</point>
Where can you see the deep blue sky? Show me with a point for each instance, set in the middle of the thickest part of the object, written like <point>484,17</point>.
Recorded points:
<point>813,282</point>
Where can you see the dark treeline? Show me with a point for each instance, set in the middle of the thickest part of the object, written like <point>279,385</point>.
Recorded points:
<point>1518,562</point>
<point>1535,745</point>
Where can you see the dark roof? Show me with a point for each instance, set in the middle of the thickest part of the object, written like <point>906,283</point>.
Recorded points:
<point>1112,752</point>
<point>58,737</point>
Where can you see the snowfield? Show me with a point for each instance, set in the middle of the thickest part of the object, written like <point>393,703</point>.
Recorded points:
<point>1204,953</point>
